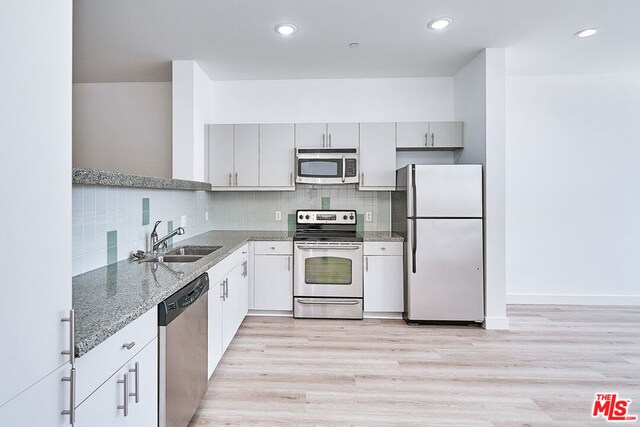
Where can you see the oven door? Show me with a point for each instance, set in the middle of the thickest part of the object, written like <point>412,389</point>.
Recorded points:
<point>325,168</point>
<point>324,269</point>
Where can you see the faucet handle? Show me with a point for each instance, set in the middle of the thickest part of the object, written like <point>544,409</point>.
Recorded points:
<point>154,232</point>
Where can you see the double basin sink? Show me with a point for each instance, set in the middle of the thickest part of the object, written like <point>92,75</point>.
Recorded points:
<point>183,254</point>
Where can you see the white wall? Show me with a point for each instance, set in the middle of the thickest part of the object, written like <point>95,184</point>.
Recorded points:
<point>123,127</point>
<point>479,102</point>
<point>191,103</point>
<point>333,100</point>
<point>573,198</point>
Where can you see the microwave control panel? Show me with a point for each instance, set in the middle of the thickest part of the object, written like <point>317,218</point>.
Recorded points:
<point>350,168</point>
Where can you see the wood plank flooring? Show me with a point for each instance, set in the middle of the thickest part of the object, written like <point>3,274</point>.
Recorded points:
<point>544,371</point>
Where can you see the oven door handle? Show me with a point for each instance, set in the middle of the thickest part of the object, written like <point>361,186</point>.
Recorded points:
<point>327,301</point>
<point>345,248</point>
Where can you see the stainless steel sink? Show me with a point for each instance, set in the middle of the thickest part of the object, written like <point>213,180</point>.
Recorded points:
<point>180,258</point>
<point>199,251</point>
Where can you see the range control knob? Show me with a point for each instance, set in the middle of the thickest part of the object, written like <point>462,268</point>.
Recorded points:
<point>300,217</point>
<point>307,217</point>
<point>344,217</point>
<point>351,217</point>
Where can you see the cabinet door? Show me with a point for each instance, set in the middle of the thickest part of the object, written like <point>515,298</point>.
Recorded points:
<point>243,290</point>
<point>445,134</point>
<point>100,409</point>
<point>276,155</point>
<point>221,155</point>
<point>412,134</point>
<point>273,282</point>
<point>229,308</point>
<point>377,155</point>
<point>246,156</point>
<point>343,135</point>
<point>383,286</point>
<point>310,135</point>
<point>214,346</point>
<point>143,408</point>
<point>50,396</point>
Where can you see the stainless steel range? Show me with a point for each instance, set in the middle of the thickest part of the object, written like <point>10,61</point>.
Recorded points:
<point>327,254</point>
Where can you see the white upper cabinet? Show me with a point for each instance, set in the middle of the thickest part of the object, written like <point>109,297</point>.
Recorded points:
<point>429,135</point>
<point>332,135</point>
<point>412,134</point>
<point>377,156</point>
<point>221,155</point>
<point>277,155</point>
<point>343,135</point>
<point>233,155</point>
<point>310,135</point>
<point>246,155</point>
<point>445,135</point>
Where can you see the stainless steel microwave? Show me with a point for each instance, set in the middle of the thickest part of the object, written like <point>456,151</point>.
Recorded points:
<point>327,166</point>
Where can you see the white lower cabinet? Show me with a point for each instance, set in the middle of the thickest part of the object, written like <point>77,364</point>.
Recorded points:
<point>129,397</point>
<point>41,404</point>
<point>383,277</point>
<point>273,276</point>
<point>228,303</point>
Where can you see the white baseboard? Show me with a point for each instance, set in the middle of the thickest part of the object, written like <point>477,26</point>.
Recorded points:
<point>382,315</point>
<point>496,323</point>
<point>279,313</point>
<point>573,299</point>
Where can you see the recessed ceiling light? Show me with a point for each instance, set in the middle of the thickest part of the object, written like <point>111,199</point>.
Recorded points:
<point>354,45</point>
<point>439,23</point>
<point>286,29</point>
<point>587,32</point>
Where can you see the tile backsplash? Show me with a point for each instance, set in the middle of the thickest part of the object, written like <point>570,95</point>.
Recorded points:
<point>255,210</point>
<point>109,223</point>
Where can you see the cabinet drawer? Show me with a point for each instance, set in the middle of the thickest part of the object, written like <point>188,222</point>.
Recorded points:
<point>383,248</point>
<point>273,248</point>
<point>101,362</point>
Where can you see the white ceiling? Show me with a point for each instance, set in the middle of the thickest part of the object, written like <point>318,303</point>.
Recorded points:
<point>135,40</point>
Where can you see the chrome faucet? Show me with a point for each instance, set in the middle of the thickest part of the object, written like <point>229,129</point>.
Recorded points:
<point>156,242</point>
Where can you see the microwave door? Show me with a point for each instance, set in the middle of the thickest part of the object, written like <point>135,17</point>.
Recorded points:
<point>320,168</point>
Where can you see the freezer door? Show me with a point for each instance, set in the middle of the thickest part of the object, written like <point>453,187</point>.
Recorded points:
<point>447,191</point>
<point>447,284</point>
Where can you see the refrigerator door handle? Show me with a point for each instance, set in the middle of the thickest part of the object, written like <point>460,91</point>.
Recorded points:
<point>414,244</point>
<point>414,193</point>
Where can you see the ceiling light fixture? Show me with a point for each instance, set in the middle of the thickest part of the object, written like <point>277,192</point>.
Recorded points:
<point>286,29</point>
<point>587,32</point>
<point>439,23</point>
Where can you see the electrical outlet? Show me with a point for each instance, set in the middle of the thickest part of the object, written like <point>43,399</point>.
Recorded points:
<point>278,216</point>
<point>183,221</point>
<point>206,215</point>
<point>368,217</point>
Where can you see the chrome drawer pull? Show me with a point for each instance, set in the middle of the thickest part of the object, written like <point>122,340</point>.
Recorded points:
<point>72,341</point>
<point>137,383</point>
<point>129,346</point>
<point>72,396</point>
<point>327,302</point>
<point>125,407</point>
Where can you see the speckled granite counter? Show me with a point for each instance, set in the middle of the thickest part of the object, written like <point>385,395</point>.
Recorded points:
<point>381,236</point>
<point>107,299</point>
<point>118,179</point>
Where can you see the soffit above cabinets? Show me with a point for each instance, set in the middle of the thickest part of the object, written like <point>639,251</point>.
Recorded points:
<point>123,40</point>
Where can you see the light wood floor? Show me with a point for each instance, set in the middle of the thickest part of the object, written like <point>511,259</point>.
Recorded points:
<point>544,371</point>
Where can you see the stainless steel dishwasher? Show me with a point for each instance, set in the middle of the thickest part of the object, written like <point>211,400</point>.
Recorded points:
<point>182,353</point>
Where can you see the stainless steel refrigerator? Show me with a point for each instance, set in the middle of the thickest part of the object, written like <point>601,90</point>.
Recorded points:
<point>438,210</point>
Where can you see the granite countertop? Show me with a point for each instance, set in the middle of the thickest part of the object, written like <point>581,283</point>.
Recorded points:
<point>107,299</point>
<point>119,179</point>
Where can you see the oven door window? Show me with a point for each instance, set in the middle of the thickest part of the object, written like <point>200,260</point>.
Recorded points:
<point>320,168</point>
<point>327,270</point>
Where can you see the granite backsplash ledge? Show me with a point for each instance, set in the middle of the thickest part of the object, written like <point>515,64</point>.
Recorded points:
<point>119,179</point>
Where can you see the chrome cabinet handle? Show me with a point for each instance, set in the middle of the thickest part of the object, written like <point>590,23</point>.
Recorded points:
<point>366,263</point>
<point>129,346</point>
<point>288,263</point>
<point>236,179</point>
<point>72,396</point>
<point>329,140</point>
<point>361,178</point>
<point>433,139</point>
<point>230,183</point>
<point>426,139</point>
<point>273,248</point>
<point>344,166</point>
<point>222,290</point>
<point>226,288</point>
<point>136,370</point>
<point>323,140</point>
<point>125,382</point>
<point>72,341</point>
<point>383,248</point>
<point>244,269</point>
<point>290,178</point>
